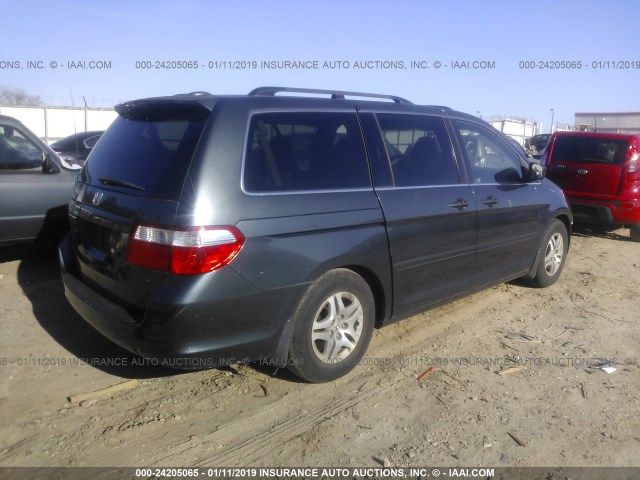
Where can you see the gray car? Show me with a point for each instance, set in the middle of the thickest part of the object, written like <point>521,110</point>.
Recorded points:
<point>35,186</point>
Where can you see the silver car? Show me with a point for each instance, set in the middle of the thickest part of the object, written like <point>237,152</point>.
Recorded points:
<point>35,186</point>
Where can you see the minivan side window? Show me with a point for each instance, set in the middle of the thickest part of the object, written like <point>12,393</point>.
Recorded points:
<point>18,152</point>
<point>419,150</point>
<point>305,151</point>
<point>491,160</point>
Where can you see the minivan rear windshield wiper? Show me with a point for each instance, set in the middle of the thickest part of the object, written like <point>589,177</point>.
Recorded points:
<point>120,183</point>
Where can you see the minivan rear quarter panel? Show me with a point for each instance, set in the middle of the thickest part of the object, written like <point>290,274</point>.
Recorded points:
<point>291,239</point>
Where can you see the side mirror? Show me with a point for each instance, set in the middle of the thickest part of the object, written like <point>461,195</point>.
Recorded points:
<point>536,172</point>
<point>49,166</point>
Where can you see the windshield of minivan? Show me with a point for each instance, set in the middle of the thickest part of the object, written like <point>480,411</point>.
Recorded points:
<point>152,155</point>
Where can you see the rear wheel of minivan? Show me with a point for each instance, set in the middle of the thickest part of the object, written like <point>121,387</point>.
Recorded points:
<point>332,327</point>
<point>635,232</point>
<point>552,255</point>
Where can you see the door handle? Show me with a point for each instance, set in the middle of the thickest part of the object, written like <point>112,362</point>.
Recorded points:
<point>490,201</point>
<point>460,204</point>
<point>582,172</point>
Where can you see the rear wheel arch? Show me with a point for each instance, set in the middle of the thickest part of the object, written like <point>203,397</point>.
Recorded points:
<point>568,225</point>
<point>332,326</point>
<point>382,295</point>
<point>280,356</point>
<point>377,289</point>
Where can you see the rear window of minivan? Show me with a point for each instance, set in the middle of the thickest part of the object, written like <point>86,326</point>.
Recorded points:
<point>153,155</point>
<point>578,149</point>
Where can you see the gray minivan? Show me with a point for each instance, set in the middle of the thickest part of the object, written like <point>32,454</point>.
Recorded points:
<point>208,230</point>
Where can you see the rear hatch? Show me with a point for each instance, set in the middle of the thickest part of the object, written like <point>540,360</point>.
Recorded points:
<point>135,176</point>
<point>588,164</point>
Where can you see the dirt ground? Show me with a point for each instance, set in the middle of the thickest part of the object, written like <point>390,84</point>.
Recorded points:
<point>560,409</point>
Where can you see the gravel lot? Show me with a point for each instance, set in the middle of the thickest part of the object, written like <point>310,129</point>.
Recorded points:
<point>516,379</point>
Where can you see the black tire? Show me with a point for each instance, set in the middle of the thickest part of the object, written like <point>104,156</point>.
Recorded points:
<point>552,255</point>
<point>635,232</point>
<point>341,303</point>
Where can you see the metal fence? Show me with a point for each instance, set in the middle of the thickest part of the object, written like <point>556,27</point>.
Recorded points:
<point>54,123</point>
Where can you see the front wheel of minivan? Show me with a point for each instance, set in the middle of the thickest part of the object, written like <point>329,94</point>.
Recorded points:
<point>552,255</point>
<point>635,232</point>
<point>332,327</point>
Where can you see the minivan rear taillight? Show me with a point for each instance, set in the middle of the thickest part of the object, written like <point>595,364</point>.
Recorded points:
<point>188,251</point>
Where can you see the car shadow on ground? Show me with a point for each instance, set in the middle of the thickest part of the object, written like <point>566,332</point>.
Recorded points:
<point>612,233</point>
<point>39,277</point>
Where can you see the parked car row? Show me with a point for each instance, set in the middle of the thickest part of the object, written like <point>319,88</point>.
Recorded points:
<point>536,144</point>
<point>205,230</point>
<point>75,148</point>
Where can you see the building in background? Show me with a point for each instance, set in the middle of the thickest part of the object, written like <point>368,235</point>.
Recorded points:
<point>616,122</point>
<point>517,128</point>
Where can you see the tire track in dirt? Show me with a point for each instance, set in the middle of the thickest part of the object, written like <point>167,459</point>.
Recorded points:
<point>255,436</point>
<point>253,416</point>
<point>246,451</point>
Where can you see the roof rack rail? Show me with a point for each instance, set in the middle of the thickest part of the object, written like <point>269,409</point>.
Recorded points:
<point>442,107</point>
<point>335,94</point>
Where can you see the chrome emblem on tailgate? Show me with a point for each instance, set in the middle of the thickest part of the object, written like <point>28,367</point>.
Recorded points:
<point>97,197</point>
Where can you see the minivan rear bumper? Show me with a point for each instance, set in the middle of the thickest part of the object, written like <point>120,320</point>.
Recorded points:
<point>218,332</point>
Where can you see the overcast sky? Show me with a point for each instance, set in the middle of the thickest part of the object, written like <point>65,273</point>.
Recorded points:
<point>381,37</point>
